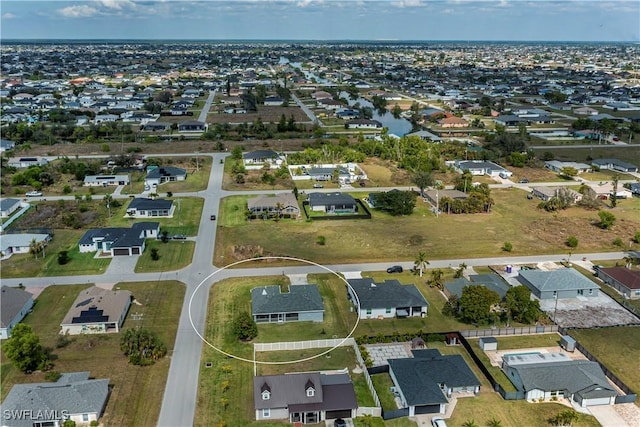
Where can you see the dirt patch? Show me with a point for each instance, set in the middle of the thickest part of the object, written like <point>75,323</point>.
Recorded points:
<point>555,230</point>
<point>57,215</point>
<point>268,114</point>
<point>535,175</point>
<point>241,252</point>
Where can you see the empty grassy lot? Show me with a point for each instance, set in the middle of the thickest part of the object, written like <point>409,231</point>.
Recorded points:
<point>617,348</point>
<point>514,218</point>
<point>253,179</point>
<point>174,254</point>
<point>137,391</point>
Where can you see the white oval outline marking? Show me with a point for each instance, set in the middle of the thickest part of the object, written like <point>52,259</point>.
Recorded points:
<point>286,362</point>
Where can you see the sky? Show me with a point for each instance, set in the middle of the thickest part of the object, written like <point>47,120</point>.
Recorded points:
<point>427,20</point>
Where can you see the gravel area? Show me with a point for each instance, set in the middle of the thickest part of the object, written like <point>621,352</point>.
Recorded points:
<point>588,312</point>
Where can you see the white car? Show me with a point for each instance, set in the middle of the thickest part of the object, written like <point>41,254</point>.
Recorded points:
<point>438,422</point>
<point>33,193</point>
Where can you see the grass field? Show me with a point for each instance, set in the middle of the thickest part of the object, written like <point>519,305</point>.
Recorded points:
<point>623,361</point>
<point>252,179</point>
<point>628,154</point>
<point>174,254</point>
<point>137,392</point>
<point>514,218</point>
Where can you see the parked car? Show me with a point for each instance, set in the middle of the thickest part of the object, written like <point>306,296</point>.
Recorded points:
<point>438,422</point>
<point>179,237</point>
<point>340,423</point>
<point>213,217</point>
<point>33,193</point>
<point>394,269</point>
<point>318,186</point>
<point>524,181</point>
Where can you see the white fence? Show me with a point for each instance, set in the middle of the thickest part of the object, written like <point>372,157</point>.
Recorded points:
<point>303,345</point>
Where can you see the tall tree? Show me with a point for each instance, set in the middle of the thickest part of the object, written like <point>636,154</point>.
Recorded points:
<point>476,303</point>
<point>23,348</point>
<point>421,262</point>
<point>614,198</point>
<point>423,179</point>
<point>436,279</point>
<point>519,306</point>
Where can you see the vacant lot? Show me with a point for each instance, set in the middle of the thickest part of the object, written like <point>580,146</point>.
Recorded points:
<point>513,218</point>
<point>268,114</point>
<point>137,391</point>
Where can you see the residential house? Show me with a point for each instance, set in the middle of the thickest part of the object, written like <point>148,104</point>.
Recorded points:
<point>25,162</point>
<point>510,120</point>
<point>555,375</point>
<point>6,145</point>
<point>635,188</point>
<point>386,300</point>
<point>426,382</point>
<point>548,193</point>
<point>561,283</point>
<point>329,104</point>
<point>105,180</point>
<point>624,280</point>
<point>284,204</point>
<point>434,196</point>
<point>274,101</point>
<point>425,136</point>
<point>307,398</point>
<point>481,167</point>
<point>453,122</point>
<point>20,243</point>
<point>614,164</point>
<point>160,175</point>
<point>73,396</point>
<point>14,304</point>
<point>604,191</point>
<point>301,303</point>
<point>363,124</point>
<point>327,173</point>
<point>9,206</point>
<point>96,311</point>
<point>157,126</point>
<point>260,157</point>
<point>119,241</point>
<point>557,166</point>
<point>332,203</point>
<point>141,207</point>
<point>491,281</point>
<point>585,111</point>
<point>192,126</point>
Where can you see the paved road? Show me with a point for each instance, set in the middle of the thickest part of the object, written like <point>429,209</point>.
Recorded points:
<point>306,110</point>
<point>207,106</point>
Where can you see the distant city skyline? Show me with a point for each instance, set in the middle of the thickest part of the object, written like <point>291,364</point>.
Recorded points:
<point>420,20</point>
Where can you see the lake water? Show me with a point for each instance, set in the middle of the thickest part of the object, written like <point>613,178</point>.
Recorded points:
<point>399,127</point>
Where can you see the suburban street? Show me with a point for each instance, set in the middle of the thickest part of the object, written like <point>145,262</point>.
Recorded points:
<point>180,396</point>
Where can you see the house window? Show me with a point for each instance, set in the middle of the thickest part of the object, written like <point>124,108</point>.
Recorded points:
<point>368,311</point>
<point>387,310</point>
<point>311,392</point>
<point>85,417</point>
<point>555,294</point>
<point>590,291</point>
<point>266,413</point>
<point>637,292</point>
<point>266,395</point>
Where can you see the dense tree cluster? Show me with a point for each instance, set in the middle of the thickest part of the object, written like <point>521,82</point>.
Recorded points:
<point>479,200</point>
<point>244,327</point>
<point>396,202</point>
<point>142,346</point>
<point>24,350</point>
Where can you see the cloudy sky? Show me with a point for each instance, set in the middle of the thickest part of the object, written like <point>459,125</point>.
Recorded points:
<point>521,20</point>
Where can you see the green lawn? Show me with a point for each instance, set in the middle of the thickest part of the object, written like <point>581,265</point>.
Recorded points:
<point>383,383</point>
<point>623,361</point>
<point>186,217</point>
<point>137,392</point>
<point>514,218</point>
<point>26,265</point>
<point>174,254</point>
<point>339,358</point>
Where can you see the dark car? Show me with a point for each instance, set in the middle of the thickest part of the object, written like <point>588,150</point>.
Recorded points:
<point>394,269</point>
<point>524,181</point>
<point>213,217</point>
<point>340,423</point>
<point>179,237</point>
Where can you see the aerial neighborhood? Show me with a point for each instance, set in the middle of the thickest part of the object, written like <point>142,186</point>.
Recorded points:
<point>325,234</point>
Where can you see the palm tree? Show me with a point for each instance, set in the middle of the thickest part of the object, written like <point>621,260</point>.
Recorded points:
<point>436,279</point>
<point>628,261</point>
<point>470,423</point>
<point>421,262</point>
<point>36,247</point>
<point>279,209</point>
<point>494,423</point>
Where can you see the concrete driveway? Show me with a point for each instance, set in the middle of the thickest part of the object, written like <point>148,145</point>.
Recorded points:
<point>607,416</point>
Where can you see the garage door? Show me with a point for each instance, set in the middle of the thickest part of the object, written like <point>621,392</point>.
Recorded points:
<point>338,414</point>
<point>598,401</point>
<point>135,251</point>
<point>428,409</point>
<point>117,252</point>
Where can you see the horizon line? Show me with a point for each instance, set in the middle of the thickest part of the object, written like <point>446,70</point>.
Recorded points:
<point>5,39</point>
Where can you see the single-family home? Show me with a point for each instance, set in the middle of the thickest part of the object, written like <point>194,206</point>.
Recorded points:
<point>96,311</point>
<point>160,175</point>
<point>548,193</point>
<point>510,120</point>
<point>274,101</point>
<point>624,280</point>
<point>192,126</point>
<point>301,303</point>
<point>363,124</point>
<point>307,398</point>
<point>73,396</point>
<point>614,164</point>
<point>6,145</point>
<point>557,166</point>
<point>20,243</point>
<point>332,203</point>
<point>9,206</point>
<point>142,207</point>
<point>283,204</point>
<point>490,281</point>
<point>585,111</point>
<point>425,382</point>
<point>15,304</point>
<point>481,167</point>
<point>25,162</point>
<point>327,173</point>
<point>387,299</point>
<point>434,196</point>
<point>561,283</point>
<point>634,187</point>
<point>157,126</point>
<point>453,122</point>
<point>105,180</point>
<point>426,136</point>
<point>604,191</point>
<point>119,241</point>
<point>329,104</point>
<point>260,157</point>
<point>549,375</point>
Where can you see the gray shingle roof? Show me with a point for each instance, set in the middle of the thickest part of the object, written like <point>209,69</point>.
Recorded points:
<point>331,199</point>
<point>269,299</point>
<point>6,204</point>
<point>419,377</point>
<point>120,236</point>
<point>260,154</point>
<point>489,281</point>
<point>74,393</point>
<point>389,293</point>
<point>143,204</point>
<point>563,279</point>
<point>12,300</point>
<point>166,171</point>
